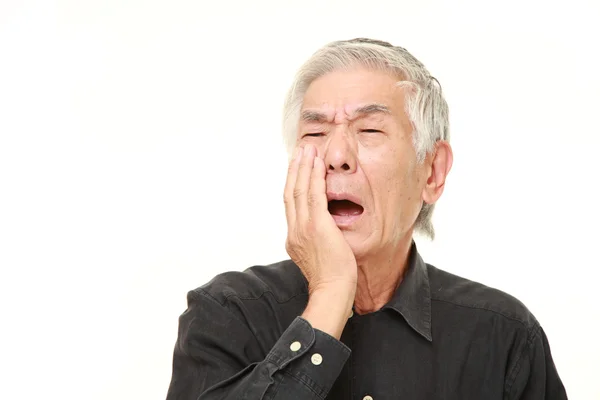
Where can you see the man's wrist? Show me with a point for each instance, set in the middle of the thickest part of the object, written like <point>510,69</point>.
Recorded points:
<point>329,308</point>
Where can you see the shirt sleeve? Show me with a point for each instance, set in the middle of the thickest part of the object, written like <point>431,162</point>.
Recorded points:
<point>534,376</point>
<point>217,356</point>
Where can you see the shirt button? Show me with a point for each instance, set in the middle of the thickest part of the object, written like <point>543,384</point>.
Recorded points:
<point>295,346</point>
<point>367,397</point>
<point>351,314</point>
<point>316,359</point>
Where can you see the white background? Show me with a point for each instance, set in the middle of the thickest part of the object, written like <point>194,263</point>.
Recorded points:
<point>140,155</point>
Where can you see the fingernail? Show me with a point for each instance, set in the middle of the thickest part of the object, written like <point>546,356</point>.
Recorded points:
<point>298,152</point>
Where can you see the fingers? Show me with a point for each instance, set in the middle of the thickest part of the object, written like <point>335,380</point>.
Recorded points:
<point>290,184</point>
<point>303,182</point>
<point>317,197</point>
<point>305,189</point>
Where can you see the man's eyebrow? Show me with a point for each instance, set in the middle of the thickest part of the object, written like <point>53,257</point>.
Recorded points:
<point>370,109</point>
<point>313,116</point>
<point>317,116</point>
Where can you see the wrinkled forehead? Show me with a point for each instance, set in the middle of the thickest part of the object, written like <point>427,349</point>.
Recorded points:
<point>352,94</point>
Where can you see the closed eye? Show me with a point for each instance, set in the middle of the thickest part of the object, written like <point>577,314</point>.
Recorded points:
<point>314,134</point>
<point>371,131</point>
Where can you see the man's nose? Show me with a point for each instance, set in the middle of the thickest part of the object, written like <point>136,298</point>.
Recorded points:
<point>340,154</point>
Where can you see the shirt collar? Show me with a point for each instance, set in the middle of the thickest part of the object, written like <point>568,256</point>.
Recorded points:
<point>412,299</point>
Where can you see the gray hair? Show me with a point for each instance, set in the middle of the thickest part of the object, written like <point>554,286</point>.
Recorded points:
<point>425,105</point>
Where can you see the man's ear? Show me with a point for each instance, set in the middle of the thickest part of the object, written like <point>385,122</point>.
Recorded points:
<point>440,164</point>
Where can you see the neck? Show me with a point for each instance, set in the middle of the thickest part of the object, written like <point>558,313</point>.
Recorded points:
<point>379,276</point>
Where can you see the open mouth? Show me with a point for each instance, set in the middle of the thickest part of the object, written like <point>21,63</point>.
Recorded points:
<point>344,208</point>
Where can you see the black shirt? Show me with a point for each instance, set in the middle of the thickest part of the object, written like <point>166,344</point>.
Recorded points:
<point>439,337</point>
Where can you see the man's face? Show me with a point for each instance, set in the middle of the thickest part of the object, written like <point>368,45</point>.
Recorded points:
<point>369,156</point>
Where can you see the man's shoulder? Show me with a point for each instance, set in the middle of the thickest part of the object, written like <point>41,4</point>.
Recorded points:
<point>282,280</point>
<point>456,291</point>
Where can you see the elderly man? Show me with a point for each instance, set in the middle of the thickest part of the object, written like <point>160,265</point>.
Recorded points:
<point>356,313</point>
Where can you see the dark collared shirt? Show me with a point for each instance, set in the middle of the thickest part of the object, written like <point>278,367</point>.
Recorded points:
<point>439,337</point>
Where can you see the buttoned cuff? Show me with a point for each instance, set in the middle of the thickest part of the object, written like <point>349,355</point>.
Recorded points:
<point>311,356</point>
